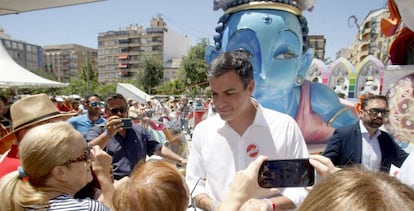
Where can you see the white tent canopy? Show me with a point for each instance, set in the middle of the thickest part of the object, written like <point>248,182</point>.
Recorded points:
<point>12,75</point>
<point>18,6</point>
<point>130,91</point>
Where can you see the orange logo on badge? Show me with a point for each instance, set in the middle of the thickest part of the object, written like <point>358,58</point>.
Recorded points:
<point>252,150</point>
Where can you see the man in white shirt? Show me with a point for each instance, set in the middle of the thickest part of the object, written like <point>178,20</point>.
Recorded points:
<point>243,130</point>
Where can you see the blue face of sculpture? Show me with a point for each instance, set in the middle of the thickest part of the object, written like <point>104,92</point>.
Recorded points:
<point>274,40</point>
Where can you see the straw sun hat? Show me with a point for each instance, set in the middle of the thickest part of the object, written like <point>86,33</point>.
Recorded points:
<point>29,111</point>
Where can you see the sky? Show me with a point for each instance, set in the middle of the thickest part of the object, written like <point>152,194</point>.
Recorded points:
<point>81,24</point>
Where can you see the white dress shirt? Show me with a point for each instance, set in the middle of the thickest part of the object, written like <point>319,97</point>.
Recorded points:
<point>218,151</point>
<point>371,151</point>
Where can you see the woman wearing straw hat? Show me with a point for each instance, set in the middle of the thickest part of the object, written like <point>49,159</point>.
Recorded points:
<point>56,164</point>
<point>26,113</point>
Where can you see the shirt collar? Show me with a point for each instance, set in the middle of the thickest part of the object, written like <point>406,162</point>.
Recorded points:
<point>259,118</point>
<point>365,131</point>
<point>362,126</point>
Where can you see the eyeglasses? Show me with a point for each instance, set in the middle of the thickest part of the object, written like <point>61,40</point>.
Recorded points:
<point>117,110</point>
<point>95,104</point>
<point>85,157</point>
<point>373,112</point>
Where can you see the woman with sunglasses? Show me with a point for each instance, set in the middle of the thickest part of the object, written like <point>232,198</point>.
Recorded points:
<point>364,143</point>
<point>56,163</point>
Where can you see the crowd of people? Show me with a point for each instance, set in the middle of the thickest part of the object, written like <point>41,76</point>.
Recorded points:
<point>59,153</point>
<point>79,154</point>
<point>88,160</point>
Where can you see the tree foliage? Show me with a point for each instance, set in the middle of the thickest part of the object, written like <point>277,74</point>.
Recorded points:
<point>174,87</point>
<point>85,84</point>
<point>193,66</point>
<point>152,73</point>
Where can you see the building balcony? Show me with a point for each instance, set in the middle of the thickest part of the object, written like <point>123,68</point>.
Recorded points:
<point>124,41</point>
<point>364,46</point>
<point>123,66</point>
<point>123,57</point>
<point>125,73</point>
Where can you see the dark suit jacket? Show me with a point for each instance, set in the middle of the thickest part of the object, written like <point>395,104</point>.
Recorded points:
<point>345,148</point>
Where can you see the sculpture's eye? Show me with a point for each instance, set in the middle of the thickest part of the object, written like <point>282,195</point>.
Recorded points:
<point>286,55</point>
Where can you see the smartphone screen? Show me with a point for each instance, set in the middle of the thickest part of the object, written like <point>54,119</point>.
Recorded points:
<point>126,122</point>
<point>286,173</point>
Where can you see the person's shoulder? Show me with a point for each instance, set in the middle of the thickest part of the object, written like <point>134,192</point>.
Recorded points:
<point>96,130</point>
<point>348,129</point>
<point>76,118</point>
<point>211,124</point>
<point>386,135</point>
<point>273,114</point>
<point>214,120</point>
<point>101,120</point>
<point>138,128</point>
<point>352,126</point>
<point>69,203</point>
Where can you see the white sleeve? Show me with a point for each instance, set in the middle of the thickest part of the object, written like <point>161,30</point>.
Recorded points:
<point>407,171</point>
<point>195,172</point>
<point>296,195</point>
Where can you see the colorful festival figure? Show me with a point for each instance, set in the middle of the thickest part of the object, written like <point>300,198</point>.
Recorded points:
<point>317,71</point>
<point>401,104</point>
<point>275,34</point>
<point>370,76</point>
<point>340,73</point>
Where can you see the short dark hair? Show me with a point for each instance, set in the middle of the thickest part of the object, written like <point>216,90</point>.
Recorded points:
<point>114,96</point>
<point>91,95</point>
<point>370,97</point>
<point>236,61</point>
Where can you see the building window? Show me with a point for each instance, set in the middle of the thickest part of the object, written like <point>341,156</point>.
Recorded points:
<point>124,41</point>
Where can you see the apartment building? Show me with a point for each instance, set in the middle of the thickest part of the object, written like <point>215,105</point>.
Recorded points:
<point>65,61</point>
<point>370,40</point>
<point>27,55</point>
<point>120,52</point>
<point>317,43</point>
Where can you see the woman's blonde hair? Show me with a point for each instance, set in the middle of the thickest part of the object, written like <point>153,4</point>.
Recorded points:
<point>154,185</point>
<point>362,190</point>
<point>41,149</point>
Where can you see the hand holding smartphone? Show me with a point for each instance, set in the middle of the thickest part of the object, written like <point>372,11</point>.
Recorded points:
<point>286,173</point>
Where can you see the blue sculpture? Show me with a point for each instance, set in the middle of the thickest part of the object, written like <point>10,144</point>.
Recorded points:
<point>275,35</point>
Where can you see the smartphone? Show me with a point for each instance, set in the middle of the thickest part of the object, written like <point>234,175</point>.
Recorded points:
<point>126,123</point>
<point>286,173</point>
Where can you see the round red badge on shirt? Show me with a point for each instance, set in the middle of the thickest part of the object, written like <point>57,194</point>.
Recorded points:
<point>252,150</point>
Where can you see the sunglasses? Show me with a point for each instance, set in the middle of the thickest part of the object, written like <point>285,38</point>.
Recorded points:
<point>117,110</point>
<point>373,112</point>
<point>97,104</point>
<point>85,157</point>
